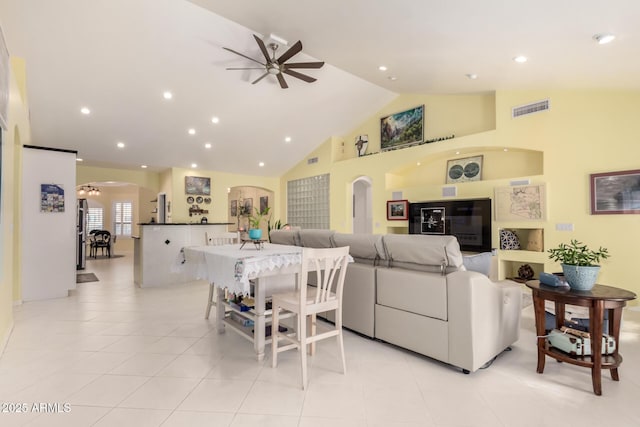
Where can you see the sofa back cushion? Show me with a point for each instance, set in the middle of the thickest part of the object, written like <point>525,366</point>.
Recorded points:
<point>285,237</point>
<point>423,253</point>
<point>364,248</point>
<point>313,238</point>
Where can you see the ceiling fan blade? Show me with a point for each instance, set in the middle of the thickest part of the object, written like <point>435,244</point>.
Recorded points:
<point>257,68</point>
<point>300,76</point>
<point>259,78</point>
<point>304,65</point>
<point>263,48</point>
<point>293,50</point>
<point>244,56</point>
<point>283,84</point>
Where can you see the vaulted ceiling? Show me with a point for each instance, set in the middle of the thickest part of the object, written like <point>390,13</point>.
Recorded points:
<point>118,57</point>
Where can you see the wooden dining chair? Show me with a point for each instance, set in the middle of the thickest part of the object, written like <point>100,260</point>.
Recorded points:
<point>330,265</point>
<point>218,239</point>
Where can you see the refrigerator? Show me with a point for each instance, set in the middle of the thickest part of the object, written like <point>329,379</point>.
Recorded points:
<point>81,238</point>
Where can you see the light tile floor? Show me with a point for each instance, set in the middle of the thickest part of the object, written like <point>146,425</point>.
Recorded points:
<point>124,356</point>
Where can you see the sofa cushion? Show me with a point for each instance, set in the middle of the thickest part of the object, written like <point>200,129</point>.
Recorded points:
<point>413,291</point>
<point>284,237</point>
<point>314,238</point>
<point>479,262</point>
<point>423,253</point>
<point>364,248</point>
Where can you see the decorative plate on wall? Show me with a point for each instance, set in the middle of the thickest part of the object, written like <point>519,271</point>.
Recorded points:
<point>464,170</point>
<point>199,199</point>
<point>207,200</point>
<point>190,200</point>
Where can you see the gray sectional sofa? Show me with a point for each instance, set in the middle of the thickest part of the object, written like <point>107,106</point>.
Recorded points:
<point>415,292</point>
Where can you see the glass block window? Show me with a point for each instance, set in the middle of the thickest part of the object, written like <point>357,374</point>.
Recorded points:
<point>308,202</point>
<point>94,219</point>
<point>123,214</point>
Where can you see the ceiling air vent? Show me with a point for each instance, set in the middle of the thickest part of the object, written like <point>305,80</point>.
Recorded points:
<point>312,160</point>
<point>534,107</point>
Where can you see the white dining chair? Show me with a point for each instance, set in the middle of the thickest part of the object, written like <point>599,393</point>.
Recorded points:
<point>218,239</point>
<point>330,265</point>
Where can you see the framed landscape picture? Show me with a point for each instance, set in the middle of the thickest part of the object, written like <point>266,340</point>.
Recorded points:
<point>615,192</point>
<point>397,209</point>
<point>403,129</point>
<point>197,185</point>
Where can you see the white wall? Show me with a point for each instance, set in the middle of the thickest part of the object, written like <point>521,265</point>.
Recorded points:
<point>48,238</point>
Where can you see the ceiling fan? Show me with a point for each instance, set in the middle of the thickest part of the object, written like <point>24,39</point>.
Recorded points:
<point>278,66</point>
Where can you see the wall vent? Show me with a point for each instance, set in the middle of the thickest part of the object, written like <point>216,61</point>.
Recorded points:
<point>312,160</point>
<point>531,108</point>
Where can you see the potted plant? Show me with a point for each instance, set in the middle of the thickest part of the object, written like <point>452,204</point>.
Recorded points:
<point>579,263</point>
<point>255,232</point>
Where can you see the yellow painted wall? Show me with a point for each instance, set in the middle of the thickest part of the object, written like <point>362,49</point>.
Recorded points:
<point>18,133</point>
<point>220,183</point>
<point>584,132</point>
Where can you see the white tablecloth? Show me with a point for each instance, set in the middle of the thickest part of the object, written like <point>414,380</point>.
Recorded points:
<point>230,267</point>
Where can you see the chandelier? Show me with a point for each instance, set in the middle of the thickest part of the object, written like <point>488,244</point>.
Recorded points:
<point>88,190</point>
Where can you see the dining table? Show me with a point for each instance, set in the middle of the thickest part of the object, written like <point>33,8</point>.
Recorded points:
<point>255,271</point>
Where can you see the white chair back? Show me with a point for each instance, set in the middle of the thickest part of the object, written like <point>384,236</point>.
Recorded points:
<point>330,265</point>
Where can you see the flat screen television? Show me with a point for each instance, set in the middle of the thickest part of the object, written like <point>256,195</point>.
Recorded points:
<point>468,220</point>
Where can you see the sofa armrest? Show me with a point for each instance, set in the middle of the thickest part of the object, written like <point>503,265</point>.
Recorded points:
<point>484,317</point>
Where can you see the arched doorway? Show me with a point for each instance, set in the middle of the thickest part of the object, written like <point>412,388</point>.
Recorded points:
<point>362,220</point>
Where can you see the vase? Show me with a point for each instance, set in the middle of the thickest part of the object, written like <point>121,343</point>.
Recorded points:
<point>581,278</point>
<point>255,233</point>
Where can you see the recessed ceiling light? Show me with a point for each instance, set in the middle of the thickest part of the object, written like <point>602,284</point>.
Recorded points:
<point>261,164</point>
<point>521,59</point>
<point>167,95</point>
<point>207,145</point>
<point>215,120</point>
<point>472,76</point>
<point>457,152</point>
<point>393,78</point>
<point>192,131</point>
<point>143,166</point>
<point>79,159</point>
<point>120,144</point>
<point>85,111</point>
<point>287,139</point>
<point>382,68</point>
<point>418,164</point>
<point>604,38</point>
<point>194,165</point>
<point>505,149</point>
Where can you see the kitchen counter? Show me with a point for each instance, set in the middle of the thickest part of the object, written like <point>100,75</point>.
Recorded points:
<point>158,246</point>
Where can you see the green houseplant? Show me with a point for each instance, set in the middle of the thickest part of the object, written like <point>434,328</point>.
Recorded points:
<point>579,263</point>
<point>255,232</point>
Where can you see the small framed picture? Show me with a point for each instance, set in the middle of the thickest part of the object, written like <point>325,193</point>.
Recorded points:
<point>615,192</point>
<point>234,208</point>
<point>464,170</point>
<point>397,210</point>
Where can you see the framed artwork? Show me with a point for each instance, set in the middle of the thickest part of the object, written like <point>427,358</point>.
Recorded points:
<point>233,209</point>
<point>521,203</point>
<point>403,129</point>
<point>264,203</point>
<point>432,220</point>
<point>51,198</point>
<point>464,170</point>
<point>197,185</point>
<point>397,210</point>
<point>615,192</point>
<point>247,208</point>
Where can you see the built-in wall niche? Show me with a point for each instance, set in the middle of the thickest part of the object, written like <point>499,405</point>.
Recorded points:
<point>531,252</point>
